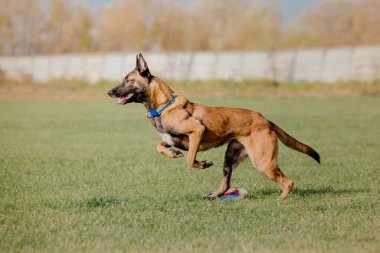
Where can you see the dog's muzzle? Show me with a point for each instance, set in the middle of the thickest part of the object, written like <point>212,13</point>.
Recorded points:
<point>111,94</point>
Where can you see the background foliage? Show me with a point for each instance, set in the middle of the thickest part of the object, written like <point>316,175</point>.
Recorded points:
<point>59,26</point>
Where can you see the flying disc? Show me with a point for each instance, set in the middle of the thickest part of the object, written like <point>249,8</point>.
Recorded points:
<point>233,193</point>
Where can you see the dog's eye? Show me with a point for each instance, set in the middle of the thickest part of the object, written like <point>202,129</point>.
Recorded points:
<point>126,81</point>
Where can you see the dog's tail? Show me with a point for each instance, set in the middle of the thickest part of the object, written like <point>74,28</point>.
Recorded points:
<point>293,143</point>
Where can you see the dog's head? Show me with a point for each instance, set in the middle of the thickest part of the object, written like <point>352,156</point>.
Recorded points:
<point>135,85</point>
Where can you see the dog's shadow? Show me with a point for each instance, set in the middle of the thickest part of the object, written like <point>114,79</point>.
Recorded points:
<point>112,201</point>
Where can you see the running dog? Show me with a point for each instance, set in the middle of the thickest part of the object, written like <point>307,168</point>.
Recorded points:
<point>194,127</point>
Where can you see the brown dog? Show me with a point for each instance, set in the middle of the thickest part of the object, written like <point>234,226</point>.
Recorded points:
<point>195,127</point>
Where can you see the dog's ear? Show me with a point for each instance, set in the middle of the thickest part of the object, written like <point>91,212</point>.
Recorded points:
<point>142,66</point>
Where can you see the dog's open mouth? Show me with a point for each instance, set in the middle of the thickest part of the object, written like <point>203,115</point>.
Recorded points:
<point>125,98</point>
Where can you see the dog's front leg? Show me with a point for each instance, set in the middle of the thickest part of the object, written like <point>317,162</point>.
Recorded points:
<point>165,149</point>
<point>195,138</point>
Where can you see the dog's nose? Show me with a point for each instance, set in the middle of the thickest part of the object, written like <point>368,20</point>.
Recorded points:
<point>110,93</point>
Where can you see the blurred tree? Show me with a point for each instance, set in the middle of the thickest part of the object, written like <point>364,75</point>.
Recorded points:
<point>59,26</point>
<point>233,24</point>
<point>80,27</point>
<point>336,22</point>
<point>124,26</point>
<point>258,27</point>
<point>19,26</point>
<point>204,26</point>
<point>366,22</point>
<point>30,27</point>
<point>6,33</point>
<point>68,28</point>
<point>168,29</point>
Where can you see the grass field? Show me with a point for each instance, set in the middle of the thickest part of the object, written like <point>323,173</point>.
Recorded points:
<point>84,176</point>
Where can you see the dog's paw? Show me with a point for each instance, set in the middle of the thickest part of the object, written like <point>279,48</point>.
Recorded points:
<point>207,163</point>
<point>176,153</point>
<point>204,164</point>
<point>212,195</point>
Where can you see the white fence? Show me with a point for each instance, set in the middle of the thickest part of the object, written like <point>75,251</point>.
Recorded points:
<point>317,64</point>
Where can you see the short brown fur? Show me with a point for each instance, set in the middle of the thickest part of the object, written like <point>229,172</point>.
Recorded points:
<point>195,127</point>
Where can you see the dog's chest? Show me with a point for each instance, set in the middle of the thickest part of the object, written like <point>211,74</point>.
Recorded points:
<point>167,138</point>
<point>157,124</point>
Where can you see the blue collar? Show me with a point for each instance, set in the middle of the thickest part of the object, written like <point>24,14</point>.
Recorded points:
<point>155,112</point>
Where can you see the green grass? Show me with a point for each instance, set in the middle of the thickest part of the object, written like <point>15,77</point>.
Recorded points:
<point>85,176</point>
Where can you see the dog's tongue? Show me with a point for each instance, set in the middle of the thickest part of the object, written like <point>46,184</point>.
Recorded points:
<point>124,98</point>
<point>121,100</point>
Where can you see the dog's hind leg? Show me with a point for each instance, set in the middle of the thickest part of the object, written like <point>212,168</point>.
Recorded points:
<point>234,155</point>
<point>165,149</point>
<point>262,148</point>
